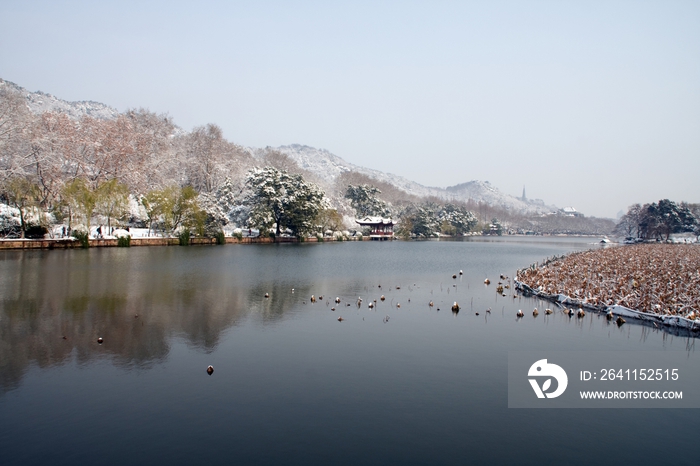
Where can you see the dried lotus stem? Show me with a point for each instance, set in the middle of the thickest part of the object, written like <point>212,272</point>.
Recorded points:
<point>658,278</point>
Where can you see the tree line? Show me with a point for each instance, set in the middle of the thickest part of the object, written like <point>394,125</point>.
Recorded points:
<point>141,169</point>
<point>58,169</point>
<point>659,220</point>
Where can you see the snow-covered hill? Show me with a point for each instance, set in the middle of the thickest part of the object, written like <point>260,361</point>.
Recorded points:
<point>483,191</point>
<point>327,166</point>
<point>39,102</point>
<point>324,165</point>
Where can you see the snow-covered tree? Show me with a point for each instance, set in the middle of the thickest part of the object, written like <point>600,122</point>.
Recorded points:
<point>659,220</point>
<point>227,198</point>
<point>628,225</point>
<point>277,198</point>
<point>214,215</point>
<point>421,221</point>
<point>54,145</point>
<point>9,221</point>
<point>223,207</point>
<point>155,146</point>
<point>218,207</point>
<point>23,195</point>
<point>430,218</point>
<point>364,200</point>
<point>15,122</point>
<point>457,219</point>
<point>205,146</point>
<point>694,210</point>
<point>493,228</point>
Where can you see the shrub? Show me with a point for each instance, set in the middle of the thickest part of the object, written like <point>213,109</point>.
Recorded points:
<point>184,237</point>
<point>124,241</point>
<point>83,237</point>
<point>35,232</point>
<point>220,237</point>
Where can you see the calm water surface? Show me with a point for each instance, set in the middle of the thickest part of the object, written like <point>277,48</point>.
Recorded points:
<point>292,385</point>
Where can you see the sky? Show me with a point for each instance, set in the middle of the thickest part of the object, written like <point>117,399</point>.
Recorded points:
<point>590,104</point>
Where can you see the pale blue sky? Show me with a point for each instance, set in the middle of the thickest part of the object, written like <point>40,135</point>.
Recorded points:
<point>589,104</point>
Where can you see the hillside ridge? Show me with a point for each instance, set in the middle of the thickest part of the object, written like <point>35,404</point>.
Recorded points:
<point>325,165</point>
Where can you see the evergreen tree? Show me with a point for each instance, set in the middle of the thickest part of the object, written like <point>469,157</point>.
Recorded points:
<point>277,198</point>
<point>364,200</point>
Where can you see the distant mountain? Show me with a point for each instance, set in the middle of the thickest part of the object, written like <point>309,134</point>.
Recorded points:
<point>328,167</point>
<point>39,102</point>
<point>320,162</point>
<point>483,191</point>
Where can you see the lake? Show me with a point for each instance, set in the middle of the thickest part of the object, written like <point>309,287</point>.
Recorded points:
<point>292,384</point>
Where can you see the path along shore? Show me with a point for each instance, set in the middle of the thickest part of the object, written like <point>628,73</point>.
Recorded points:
<point>656,282</point>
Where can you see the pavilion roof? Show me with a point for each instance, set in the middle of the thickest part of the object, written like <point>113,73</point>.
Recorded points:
<point>374,221</point>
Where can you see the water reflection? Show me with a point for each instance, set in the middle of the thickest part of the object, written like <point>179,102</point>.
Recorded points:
<point>55,304</point>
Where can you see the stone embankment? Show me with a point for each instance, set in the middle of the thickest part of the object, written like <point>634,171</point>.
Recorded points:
<point>655,282</point>
<point>70,243</point>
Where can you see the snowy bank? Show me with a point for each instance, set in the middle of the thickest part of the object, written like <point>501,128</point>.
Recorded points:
<point>563,300</point>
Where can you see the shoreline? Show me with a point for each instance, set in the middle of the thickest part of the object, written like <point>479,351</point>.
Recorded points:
<point>615,309</point>
<point>72,243</point>
<point>141,241</point>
